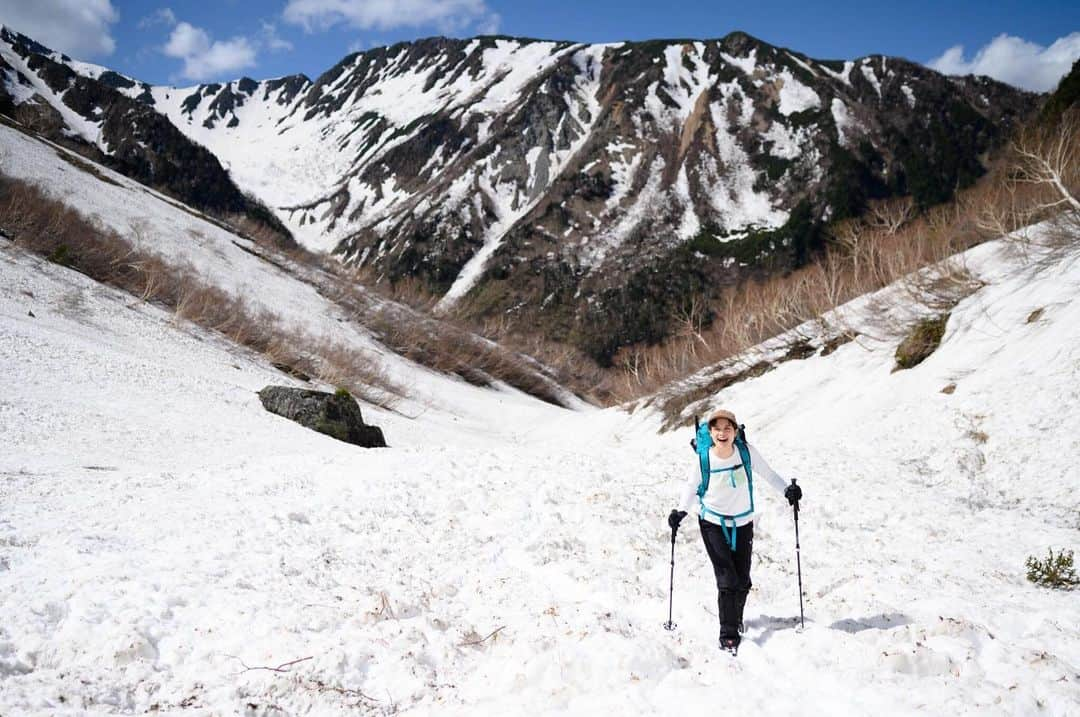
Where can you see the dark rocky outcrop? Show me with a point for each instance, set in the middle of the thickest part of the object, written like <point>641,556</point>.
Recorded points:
<point>335,414</point>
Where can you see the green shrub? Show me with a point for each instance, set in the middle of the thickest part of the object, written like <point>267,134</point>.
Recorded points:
<point>774,167</point>
<point>61,255</point>
<point>923,340</point>
<point>1056,571</point>
<point>801,235</point>
<point>342,392</point>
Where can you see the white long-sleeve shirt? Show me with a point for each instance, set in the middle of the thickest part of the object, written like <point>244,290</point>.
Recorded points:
<point>727,494</point>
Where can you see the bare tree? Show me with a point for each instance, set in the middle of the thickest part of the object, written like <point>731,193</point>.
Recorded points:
<point>1049,156</point>
<point>891,215</point>
<point>689,322</point>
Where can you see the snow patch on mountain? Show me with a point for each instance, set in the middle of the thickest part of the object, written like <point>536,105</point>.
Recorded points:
<point>681,84</point>
<point>645,204</point>
<point>513,65</point>
<point>802,64</point>
<point>843,75</point>
<point>623,172</point>
<point>868,72</point>
<point>909,94</point>
<point>747,64</point>
<point>846,124</point>
<point>689,225</point>
<point>734,197</point>
<point>787,143</point>
<point>794,95</point>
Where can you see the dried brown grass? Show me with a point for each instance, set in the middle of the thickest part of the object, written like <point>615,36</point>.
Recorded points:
<point>46,226</point>
<point>1038,176</point>
<point>521,358</point>
<point>400,315</point>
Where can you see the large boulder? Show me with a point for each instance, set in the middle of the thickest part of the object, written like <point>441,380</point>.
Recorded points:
<point>335,414</point>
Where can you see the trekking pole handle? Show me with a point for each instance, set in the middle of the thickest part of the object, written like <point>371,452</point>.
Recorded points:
<point>795,505</point>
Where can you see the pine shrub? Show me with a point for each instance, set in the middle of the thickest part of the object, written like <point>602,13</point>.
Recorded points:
<point>1056,571</point>
<point>923,340</point>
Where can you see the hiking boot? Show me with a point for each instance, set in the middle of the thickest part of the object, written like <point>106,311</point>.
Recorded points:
<point>729,644</point>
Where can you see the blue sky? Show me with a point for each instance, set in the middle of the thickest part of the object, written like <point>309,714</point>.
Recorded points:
<point>182,42</point>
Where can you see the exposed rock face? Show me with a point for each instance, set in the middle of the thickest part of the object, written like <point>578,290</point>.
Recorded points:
<point>336,415</point>
<point>586,190</point>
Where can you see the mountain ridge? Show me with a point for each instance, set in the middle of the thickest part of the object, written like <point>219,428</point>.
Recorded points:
<point>575,187</point>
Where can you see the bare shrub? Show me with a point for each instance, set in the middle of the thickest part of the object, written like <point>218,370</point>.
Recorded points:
<point>451,349</point>
<point>890,215</point>
<point>399,315</point>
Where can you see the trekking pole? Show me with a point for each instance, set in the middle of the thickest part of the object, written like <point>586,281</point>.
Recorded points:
<point>669,625</point>
<point>798,561</point>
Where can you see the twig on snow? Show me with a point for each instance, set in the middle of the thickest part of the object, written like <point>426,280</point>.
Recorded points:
<point>283,667</point>
<point>482,640</point>
<point>321,686</point>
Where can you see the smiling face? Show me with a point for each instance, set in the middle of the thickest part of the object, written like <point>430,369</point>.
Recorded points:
<point>722,431</point>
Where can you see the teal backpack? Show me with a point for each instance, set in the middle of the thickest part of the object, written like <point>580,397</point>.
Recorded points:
<point>701,444</point>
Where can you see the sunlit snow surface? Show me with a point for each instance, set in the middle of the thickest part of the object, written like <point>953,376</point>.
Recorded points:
<point>160,532</point>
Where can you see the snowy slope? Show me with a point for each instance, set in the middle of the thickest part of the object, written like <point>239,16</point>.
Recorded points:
<point>159,224</point>
<point>160,533</point>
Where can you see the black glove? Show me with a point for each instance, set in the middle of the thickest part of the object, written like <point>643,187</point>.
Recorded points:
<point>793,493</point>
<point>675,518</point>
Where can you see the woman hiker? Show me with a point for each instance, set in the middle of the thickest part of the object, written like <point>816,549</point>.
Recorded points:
<point>721,490</point>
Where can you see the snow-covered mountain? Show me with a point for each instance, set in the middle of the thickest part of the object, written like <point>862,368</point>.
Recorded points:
<point>561,184</point>
<point>168,546</point>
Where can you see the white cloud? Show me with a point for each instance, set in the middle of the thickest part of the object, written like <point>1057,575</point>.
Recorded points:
<point>270,39</point>
<point>490,25</point>
<point>187,40</point>
<point>163,16</point>
<point>79,28</point>
<point>205,59</point>
<point>1014,60</point>
<point>448,16</point>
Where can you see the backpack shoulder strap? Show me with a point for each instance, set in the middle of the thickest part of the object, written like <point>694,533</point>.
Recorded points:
<point>744,454</point>
<point>744,449</point>
<point>702,444</point>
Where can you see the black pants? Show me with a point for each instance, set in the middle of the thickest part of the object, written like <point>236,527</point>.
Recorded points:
<point>732,570</point>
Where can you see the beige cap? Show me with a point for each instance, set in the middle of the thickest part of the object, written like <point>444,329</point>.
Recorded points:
<point>723,414</point>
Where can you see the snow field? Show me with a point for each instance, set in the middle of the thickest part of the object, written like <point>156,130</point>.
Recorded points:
<point>159,552</point>
<point>163,516</point>
<point>159,531</point>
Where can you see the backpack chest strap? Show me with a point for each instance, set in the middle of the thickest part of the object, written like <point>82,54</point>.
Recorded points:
<point>730,470</point>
